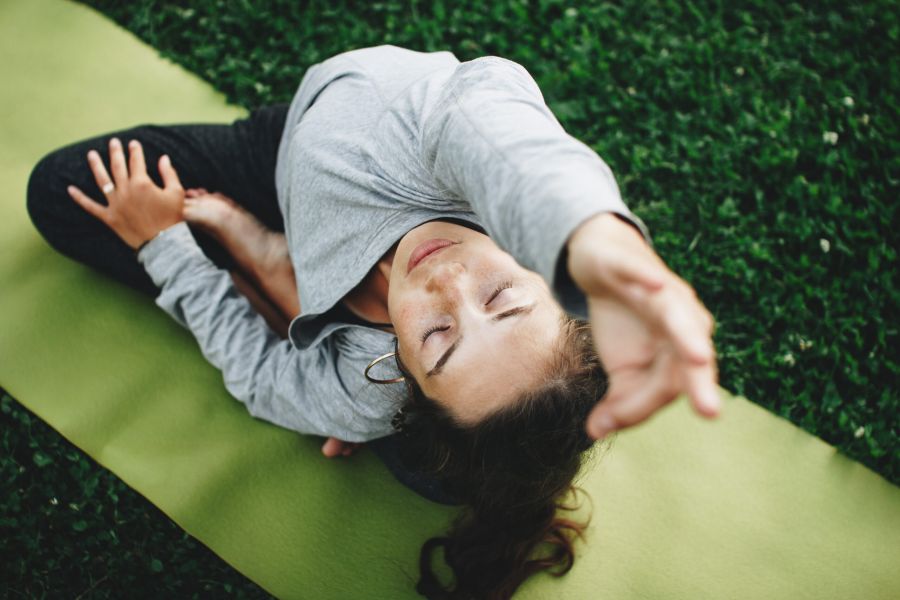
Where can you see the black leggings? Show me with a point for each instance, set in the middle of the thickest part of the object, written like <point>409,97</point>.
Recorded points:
<point>237,160</point>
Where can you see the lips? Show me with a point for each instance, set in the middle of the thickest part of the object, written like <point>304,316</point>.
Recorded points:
<point>425,249</point>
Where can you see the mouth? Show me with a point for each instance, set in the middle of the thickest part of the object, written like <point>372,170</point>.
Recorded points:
<point>426,249</point>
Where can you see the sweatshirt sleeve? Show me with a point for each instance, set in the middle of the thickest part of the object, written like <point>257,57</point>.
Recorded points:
<point>492,140</point>
<point>314,390</point>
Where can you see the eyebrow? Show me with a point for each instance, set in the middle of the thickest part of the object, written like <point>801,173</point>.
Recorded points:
<point>439,365</point>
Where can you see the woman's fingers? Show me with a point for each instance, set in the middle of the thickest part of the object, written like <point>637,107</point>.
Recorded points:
<point>167,172</point>
<point>688,331</point>
<point>117,163</point>
<point>101,176</point>
<point>634,395</point>
<point>700,383</point>
<point>136,162</point>
<point>675,313</point>
<point>93,208</point>
<point>195,192</point>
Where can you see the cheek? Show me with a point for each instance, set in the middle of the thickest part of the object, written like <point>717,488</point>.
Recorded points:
<point>401,309</point>
<point>406,316</point>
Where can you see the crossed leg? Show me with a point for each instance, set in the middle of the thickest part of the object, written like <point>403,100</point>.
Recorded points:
<point>263,256</point>
<point>264,271</point>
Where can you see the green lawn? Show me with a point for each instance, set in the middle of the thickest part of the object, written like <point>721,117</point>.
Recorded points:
<point>759,143</point>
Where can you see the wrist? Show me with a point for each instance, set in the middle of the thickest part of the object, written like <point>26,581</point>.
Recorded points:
<point>597,242</point>
<point>601,225</point>
<point>140,246</point>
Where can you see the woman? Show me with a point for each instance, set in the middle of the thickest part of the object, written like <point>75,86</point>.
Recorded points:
<point>434,212</point>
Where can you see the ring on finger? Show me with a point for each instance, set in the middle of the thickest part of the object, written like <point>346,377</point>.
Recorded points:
<point>108,187</point>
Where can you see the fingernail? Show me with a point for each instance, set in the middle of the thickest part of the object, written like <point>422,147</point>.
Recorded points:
<point>116,142</point>
<point>133,143</point>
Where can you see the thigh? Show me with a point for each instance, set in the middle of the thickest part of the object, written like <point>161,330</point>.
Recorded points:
<point>237,159</point>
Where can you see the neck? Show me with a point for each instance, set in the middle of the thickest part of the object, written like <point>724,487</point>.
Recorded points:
<point>369,299</point>
<point>385,265</point>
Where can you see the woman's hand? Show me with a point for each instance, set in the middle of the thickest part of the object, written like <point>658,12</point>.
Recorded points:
<point>137,209</point>
<point>651,333</point>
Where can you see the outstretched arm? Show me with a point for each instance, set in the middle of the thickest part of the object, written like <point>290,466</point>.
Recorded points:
<point>553,203</point>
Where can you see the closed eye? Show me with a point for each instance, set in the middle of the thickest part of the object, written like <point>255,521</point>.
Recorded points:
<point>439,365</point>
<point>503,286</point>
<point>432,330</point>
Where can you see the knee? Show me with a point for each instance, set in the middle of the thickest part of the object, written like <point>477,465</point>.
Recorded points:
<point>39,194</point>
<point>48,203</point>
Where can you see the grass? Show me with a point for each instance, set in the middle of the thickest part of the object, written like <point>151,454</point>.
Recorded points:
<point>758,140</point>
<point>72,529</point>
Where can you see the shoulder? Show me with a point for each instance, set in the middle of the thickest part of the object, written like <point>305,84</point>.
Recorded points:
<point>491,74</point>
<point>388,59</point>
<point>386,65</point>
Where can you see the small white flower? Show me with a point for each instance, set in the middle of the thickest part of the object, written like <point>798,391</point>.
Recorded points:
<point>54,501</point>
<point>848,101</point>
<point>805,344</point>
<point>631,91</point>
<point>739,71</point>
<point>830,137</point>
<point>864,119</point>
<point>825,245</point>
<point>571,12</point>
<point>860,431</point>
<point>788,359</point>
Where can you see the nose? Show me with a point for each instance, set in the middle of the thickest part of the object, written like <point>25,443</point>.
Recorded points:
<point>444,278</point>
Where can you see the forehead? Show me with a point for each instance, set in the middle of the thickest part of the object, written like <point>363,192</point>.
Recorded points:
<point>494,366</point>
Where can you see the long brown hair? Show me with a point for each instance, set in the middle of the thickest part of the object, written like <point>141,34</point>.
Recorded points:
<point>511,472</point>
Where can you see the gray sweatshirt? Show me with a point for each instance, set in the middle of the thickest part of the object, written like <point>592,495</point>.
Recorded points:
<point>378,141</point>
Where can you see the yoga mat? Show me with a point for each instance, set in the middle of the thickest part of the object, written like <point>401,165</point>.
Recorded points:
<point>746,506</point>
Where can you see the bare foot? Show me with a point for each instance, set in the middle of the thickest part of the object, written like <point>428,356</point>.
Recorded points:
<point>256,248</point>
<point>258,251</point>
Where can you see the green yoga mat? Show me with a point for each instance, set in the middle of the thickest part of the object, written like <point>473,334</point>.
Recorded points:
<point>746,506</point>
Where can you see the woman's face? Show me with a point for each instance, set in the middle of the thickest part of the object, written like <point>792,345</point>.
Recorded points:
<point>474,328</point>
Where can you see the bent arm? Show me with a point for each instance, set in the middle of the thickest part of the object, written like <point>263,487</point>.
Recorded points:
<point>303,390</point>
